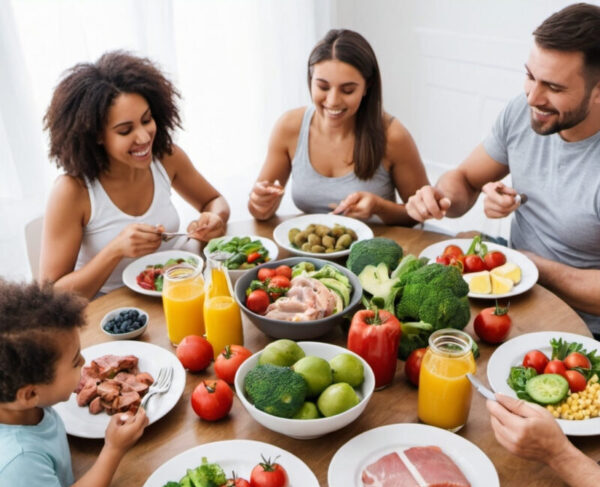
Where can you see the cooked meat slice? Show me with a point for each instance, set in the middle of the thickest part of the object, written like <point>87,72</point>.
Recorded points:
<point>96,406</point>
<point>388,471</point>
<point>109,389</point>
<point>145,377</point>
<point>110,365</point>
<point>132,381</point>
<point>436,468</point>
<point>87,392</point>
<point>126,401</point>
<point>87,373</point>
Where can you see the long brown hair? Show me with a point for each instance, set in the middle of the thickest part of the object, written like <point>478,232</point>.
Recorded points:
<point>352,48</point>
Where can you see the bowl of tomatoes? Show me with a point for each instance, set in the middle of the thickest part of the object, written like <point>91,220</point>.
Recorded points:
<point>272,298</point>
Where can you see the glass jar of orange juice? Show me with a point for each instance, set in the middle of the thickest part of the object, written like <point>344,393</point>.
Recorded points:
<point>222,316</point>
<point>444,390</point>
<point>183,301</point>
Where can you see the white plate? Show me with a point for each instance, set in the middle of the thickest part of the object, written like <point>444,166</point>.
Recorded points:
<point>529,272</point>
<point>134,268</point>
<point>511,353</point>
<point>78,420</point>
<point>238,455</point>
<point>355,455</point>
<point>280,232</point>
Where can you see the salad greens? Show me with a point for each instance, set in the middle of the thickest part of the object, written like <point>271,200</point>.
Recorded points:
<point>245,252</point>
<point>206,475</point>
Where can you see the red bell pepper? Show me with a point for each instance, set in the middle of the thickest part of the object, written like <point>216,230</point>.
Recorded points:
<point>375,335</point>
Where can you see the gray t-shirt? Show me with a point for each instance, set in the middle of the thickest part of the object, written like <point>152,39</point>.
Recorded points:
<point>561,219</point>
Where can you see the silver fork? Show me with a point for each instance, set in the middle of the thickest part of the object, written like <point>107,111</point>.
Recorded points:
<point>166,236</point>
<point>161,385</point>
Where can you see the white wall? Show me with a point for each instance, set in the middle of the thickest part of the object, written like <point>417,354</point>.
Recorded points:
<point>448,68</point>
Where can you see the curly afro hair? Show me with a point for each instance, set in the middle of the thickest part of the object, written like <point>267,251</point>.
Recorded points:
<point>30,317</point>
<point>78,112</point>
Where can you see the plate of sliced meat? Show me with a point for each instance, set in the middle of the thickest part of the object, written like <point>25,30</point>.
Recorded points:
<point>115,377</point>
<point>411,455</point>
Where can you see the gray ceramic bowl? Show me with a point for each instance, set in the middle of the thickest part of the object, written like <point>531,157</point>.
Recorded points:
<point>297,330</point>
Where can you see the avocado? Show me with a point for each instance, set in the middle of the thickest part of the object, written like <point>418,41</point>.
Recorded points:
<point>330,272</point>
<point>339,289</point>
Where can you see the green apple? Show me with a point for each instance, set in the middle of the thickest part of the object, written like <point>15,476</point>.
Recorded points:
<point>307,411</point>
<point>316,372</point>
<point>337,398</point>
<point>281,352</point>
<point>347,368</point>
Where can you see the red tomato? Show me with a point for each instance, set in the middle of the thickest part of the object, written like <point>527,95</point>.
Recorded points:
<point>279,281</point>
<point>576,359</point>
<point>236,482</point>
<point>212,399</point>
<point>474,263</point>
<point>443,259</point>
<point>458,262</point>
<point>493,324</point>
<point>284,270</point>
<point>229,360</point>
<point>258,301</point>
<point>493,259</point>
<point>576,380</point>
<point>453,251</point>
<point>253,256</point>
<point>536,360</point>
<point>556,367</point>
<point>195,353</point>
<point>265,273</point>
<point>412,367</point>
<point>268,474</point>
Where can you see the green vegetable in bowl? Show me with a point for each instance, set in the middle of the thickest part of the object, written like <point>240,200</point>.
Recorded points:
<point>206,475</point>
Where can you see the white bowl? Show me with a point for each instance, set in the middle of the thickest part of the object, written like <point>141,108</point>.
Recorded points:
<point>127,335</point>
<point>234,274</point>
<point>304,429</point>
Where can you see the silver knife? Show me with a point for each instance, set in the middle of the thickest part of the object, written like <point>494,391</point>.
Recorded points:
<point>484,391</point>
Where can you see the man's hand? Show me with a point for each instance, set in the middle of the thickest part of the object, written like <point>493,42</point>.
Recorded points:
<point>428,202</point>
<point>500,200</point>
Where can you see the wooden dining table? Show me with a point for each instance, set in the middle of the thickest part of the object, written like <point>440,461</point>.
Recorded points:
<point>536,310</point>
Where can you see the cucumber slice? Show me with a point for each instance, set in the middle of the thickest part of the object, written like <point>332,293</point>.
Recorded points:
<point>547,388</point>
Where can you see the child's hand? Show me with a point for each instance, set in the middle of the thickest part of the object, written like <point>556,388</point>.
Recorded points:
<point>125,429</point>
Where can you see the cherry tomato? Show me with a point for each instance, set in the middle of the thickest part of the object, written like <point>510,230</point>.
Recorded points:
<point>576,359</point>
<point>474,263</point>
<point>212,399</point>
<point>258,301</point>
<point>253,256</point>
<point>556,367</point>
<point>576,380</point>
<point>268,474</point>
<point>236,482</point>
<point>284,270</point>
<point>493,259</point>
<point>412,366</point>
<point>443,259</point>
<point>493,324</point>
<point>536,360</point>
<point>229,360</point>
<point>265,273</point>
<point>195,353</point>
<point>279,281</point>
<point>452,251</point>
<point>458,262</point>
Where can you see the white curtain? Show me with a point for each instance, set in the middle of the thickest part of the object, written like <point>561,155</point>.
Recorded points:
<point>239,64</point>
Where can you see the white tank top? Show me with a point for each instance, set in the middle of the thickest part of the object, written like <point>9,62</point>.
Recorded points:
<point>107,221</point>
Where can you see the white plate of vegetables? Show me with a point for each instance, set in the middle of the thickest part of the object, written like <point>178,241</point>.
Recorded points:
<point>506,364</point>
<point>240,456</point>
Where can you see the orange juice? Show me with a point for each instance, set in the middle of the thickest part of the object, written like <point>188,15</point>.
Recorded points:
<point>183,302</point>
<point>219,283</point>
<point>444,390</point>
<point>223,323</point>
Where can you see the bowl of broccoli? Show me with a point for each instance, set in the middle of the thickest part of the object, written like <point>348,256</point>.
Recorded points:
<point>277,396</point>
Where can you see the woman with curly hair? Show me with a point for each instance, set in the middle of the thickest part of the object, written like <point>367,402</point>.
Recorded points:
<point>110,125</point>
<point>343,152</point>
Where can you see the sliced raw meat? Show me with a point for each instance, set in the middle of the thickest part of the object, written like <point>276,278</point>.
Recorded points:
<point>388,471</point>
<point>436,468</point>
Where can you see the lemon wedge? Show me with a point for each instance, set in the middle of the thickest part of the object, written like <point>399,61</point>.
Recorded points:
<point>510,270</point>
<point>500,284</point>
<point>479,282</point>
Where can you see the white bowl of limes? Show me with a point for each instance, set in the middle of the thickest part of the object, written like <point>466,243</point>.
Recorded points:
<point>327,401</point>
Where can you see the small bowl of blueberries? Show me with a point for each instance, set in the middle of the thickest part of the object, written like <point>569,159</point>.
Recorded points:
<point>125,323</point>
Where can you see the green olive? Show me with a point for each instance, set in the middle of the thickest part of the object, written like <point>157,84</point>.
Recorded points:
<point>337,231</point>
<point>343,242</point>
<point>314,239</point>
<point>352,234</point>
<point>292,234</point>
<point>322,230</point>
<point>328,242</point>
<point>317,249</point>
<point>306,247</point>
<point>300,238</point>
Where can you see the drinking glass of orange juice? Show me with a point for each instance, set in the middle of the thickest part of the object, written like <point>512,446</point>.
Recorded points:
<point>218,281</point>
<point>183,301</point>
<point>444,390</point>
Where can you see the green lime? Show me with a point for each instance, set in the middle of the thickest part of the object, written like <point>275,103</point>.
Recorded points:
<point>282,352</point>
<point>316,372</point>
<point>307,411</point>
<point>347,368</point>
<point>337,398</point>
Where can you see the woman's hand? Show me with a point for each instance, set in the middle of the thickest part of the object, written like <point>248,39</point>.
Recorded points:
<point>500,200</point>
<point>138,239</point>
<point>264,199</point>
<point>209,225</point>
<point>361,205</point>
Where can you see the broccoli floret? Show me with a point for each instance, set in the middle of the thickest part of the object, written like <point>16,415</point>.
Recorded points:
<point>206,475</point>
<point>409,263</point>
<point>373,251</point>
<point>436,294</point>
<point>276,390</point>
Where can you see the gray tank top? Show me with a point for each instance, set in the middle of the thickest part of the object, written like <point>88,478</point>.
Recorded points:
<point>312,192</point>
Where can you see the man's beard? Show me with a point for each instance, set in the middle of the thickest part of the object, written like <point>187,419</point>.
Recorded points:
<point>566,121</point>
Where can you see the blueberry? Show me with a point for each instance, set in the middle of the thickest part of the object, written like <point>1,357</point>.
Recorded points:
<point>123,313</point>
<point>126,323</point>
<point>143,319</point>
<point>107,327</point>
<point>135,313</point>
